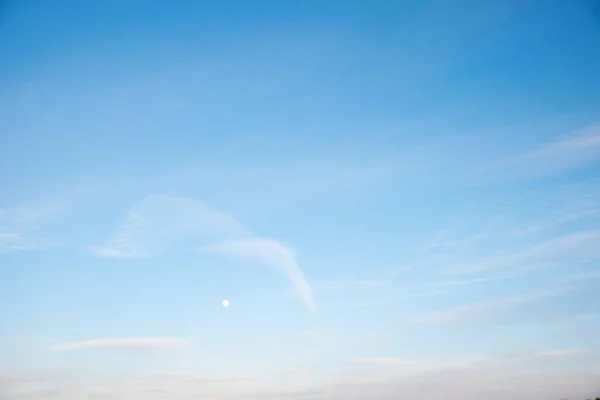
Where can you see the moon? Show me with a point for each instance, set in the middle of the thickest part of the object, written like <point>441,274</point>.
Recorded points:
<point>225,303</point>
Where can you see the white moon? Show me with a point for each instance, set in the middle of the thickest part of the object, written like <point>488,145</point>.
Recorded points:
<point>225,303</point>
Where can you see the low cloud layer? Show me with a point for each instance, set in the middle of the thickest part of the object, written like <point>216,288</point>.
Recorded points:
<point>575,150</point>
<point>562,302</point>
<point>159,344</point>
<point>379,361</point>
<point>523,376</point>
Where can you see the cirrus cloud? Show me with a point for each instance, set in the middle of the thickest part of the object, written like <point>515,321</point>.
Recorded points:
<point>272,252</point>
<point>160,222</point>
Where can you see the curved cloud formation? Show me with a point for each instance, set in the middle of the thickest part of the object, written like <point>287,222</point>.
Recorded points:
<point>159,222</point>
<point>272,252</point>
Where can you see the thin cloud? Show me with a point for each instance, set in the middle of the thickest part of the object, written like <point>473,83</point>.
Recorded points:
<point>123,344</point>
<point>160,221</point>
<point>572,247</point>
<point>271,252</point>
<point>16,242</point>
<point>20,225</point>
<point>481,310</point>
<point>509,360</point>
<point>588,138</point>
<point>572,151</point>
<point>542,307</point>
<point>125,243</point>
<point>561,353</point>
<point>502,376</point>
<point>572,204</point>
<point>379,361</point>
<point>464,282</point>
<point>350,284</point>
<point>590,275</point>
<point>498,377</point>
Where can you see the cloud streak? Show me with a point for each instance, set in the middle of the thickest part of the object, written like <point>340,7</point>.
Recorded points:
<point>271,252</point>
<point>523,376</point>
<point>541,307</point>
<point>159,223</point>
<point>575,150</point>
<point>149,344</point>
<point>379,361</point>
<point>19,225</point>
<point>572,247</point>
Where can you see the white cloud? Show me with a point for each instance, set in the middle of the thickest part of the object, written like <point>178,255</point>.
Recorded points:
<point>160,221</point>
<point>19,225</point>
<point>464,282</point>
<point>573,247</point>
<point>561,353</point>
<point>562,235</point>
<point>16,242</point>
<point>539,307</point>
<point>587,138</point>
<point>531,375</point>
<point>379,361</point>
<point>123,344</point>
<point>125,243</point>
<point>590,275</point>
<point>353,284</point>
<point>272,252</point>
<point>572,151</point>
<point>566,217</point>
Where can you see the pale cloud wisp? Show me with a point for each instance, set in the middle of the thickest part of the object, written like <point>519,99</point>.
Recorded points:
<point>123,344</point>
<point>160,222</point>
<point>19,225</point>
<point>270,252</point>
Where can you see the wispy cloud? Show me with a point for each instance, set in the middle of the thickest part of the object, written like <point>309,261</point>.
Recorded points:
<point>539,307</point>
<point>564,216</point>
<point>15,242</point>
<point>380,361</point>
<point>590,275</point>
<point>272,252</point>
<point>572,151</point>
<point>572,247</point>
<point>160,222</point>
<point>563,234</point>
<point>501,376</point>
<point>123,344</point>
<point>352,283</point>
<point>19,226</point>
<point>561,353</point>
<point>464,282</point>
<point>584,139</point>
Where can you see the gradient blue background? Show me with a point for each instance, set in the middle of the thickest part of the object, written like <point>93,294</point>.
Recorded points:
<point>433,166</point>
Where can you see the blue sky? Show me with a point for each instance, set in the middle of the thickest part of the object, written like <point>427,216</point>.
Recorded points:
<point>397,198</point>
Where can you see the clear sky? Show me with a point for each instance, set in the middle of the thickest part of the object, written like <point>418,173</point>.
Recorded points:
<point>398,199</point>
